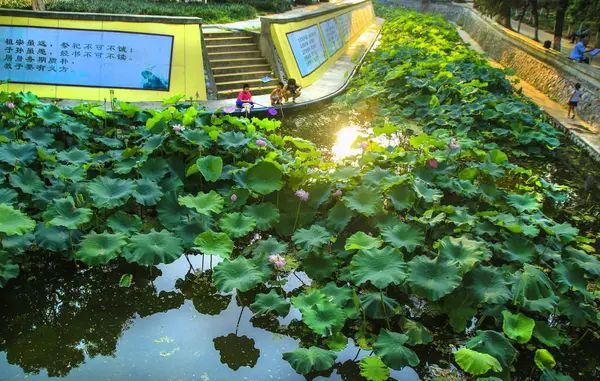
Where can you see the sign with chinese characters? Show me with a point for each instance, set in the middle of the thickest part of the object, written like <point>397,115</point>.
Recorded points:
<point>331,33</point>
<point>308,49</point>
<point>90,58</point>
<point>345,26</point>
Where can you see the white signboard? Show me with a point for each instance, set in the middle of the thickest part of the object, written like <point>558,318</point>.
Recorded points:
<point>88,58</point>
<point>308,49</point>
<point>345,26</point>
<point>331,33</point>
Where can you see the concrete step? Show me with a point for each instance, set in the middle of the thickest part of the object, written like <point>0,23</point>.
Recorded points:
<point>234,55</point>
<point>237,84</point>
<point>227,94</point>
<point>223,34</point>
<point>230,48</point>
<point>241,69</point>
<point>241,76</point>
<point>222,62</point>
<point>228,40</point>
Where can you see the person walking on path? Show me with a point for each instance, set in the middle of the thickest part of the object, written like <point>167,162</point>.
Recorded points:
<point>578,52</point>
<point>576,94</point>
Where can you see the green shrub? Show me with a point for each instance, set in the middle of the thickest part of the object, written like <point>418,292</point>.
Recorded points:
<point>270,6</point>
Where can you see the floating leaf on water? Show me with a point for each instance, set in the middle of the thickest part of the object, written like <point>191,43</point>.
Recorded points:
<point>476,363</point>
<point>303,360</point>
<point>373,369</point>
<point>125,281</point>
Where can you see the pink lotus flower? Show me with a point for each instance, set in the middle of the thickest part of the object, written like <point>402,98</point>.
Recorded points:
<point>178,128</point>
<point>454,145</point>
<point>10,105</point>
<point>233,197</point>
<point>363,145</point>
<point>338,193</point>
<point>272,111</point>
<point>432,163</point>
<point>260,142</point>
<point>229,109</point>
<point>302,194</point>
<point>277,260</point>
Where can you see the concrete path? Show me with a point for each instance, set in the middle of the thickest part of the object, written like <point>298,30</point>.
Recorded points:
<point>579,128</point>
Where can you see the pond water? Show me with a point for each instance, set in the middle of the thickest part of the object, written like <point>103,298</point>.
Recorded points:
<point>172,324</point>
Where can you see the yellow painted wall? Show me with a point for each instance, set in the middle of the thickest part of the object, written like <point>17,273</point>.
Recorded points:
<point>187,68</point>
<point>361,16</point>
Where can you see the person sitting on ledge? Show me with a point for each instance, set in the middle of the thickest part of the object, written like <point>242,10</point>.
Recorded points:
<point>578,52</point>
<point>292,89</point>
<point>244,97</point>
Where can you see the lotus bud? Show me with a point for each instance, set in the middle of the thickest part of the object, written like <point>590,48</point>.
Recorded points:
<point>432,163</point>
<point>10,105</point>
<point>261,143</point>
<point>338,193</point>
<point>233,197</point>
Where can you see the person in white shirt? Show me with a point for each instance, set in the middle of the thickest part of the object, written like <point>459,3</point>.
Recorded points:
<point>576,95</point>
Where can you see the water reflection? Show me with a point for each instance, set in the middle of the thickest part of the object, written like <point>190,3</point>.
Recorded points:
<point>345,144</point>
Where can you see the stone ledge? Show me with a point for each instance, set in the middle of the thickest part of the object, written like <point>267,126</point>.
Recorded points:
<point>332,7</point>
<point>100,17</point>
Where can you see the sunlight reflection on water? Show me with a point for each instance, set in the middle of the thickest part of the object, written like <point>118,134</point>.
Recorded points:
<point>344,145</point>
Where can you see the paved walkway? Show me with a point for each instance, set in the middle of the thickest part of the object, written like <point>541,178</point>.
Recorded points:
<point>581,129</point>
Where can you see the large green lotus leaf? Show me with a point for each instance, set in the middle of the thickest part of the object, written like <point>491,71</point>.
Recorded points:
<point>338,295</point>
<point>362,241</point>
<point>579,314</point>
<point>462,251</point>
<point>403,235</point>
<point>375,176</point>
<point>338,217</point>
<point>569,276</point>
<point>237,225</point>
<point>402,195</point>
<point>265,214</point>
<point>544,359</point>
<point>270,302</point>
<point>74,156</point>
<point>231,140</point>
<point>517,326</point>
<point>8,270</point>
<point>15,153</point>
<point>153,248</point>
<point>373,369</point>
<point>380,267</point>
<point>586,262</point>
<point>475,362</point>
<point>270,246</point>
<point>488,284</point>
<point>565,231</point>
<point>304,360</point>
<point>188,232</point>
<point>110,192</point>
<point>417,333</point>
<point>428,194</point>
<point>305,302</point>
<point>55,238</point>
<point>147,192</point>
<point>460,308</point>
<point>17,244</point>
<point>345,173</point>
<point>26,180</point>
<point>204,203</point>
<point>433,278</point>
<point>264,178</point>
<point>76,128</point>
<point>210,167</point>
<point>121,222</point>
<point>523,202</point>
<point>311,239</point>
<point>73,173</point>
<point>373,303</point>
<point>154,169</point>
<point>548,336</point>
<point>50,114</point>
<point>551,375</point>
<point>109,142</point>
<point>319,266</point>
<point>390,348</point>
<point>152,143</point>
<point>39,136</point>
<point>99,249</point>
<point>364,199</point>
<point>197,137</point>
<point>63,212</point>
<point>8,196</point>
<point>214,243</point>
<point>241,274</point>
<point>534,290</point>
<point>519,249</point>
<point>324,318</point>
<point>320,192</point>
<point>494,344</point>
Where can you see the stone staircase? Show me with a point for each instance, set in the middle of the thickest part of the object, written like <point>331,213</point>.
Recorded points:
<point>235,59</point>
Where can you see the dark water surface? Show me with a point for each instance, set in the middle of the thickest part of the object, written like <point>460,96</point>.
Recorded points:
<point>57,320</point>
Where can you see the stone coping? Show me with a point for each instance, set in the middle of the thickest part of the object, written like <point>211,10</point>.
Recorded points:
<point>304,14</point>
<point>100,17</point>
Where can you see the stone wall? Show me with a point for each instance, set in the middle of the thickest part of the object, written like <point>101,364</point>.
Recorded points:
<point>545,69</point>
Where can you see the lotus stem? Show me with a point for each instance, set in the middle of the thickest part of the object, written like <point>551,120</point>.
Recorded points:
<point>190,263</point>
<point>387,320</point>
<point>480,321</point>
<point>239,319</point>
<point>296,275</point>
<point>277,204</point>
<point>71,245</point>
<point>297,215</point>
<point>202,262</point>
<point>581,338</point>
<point>357,353</point>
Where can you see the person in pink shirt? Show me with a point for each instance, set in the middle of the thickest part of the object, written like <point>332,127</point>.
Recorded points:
<point>244,97</point>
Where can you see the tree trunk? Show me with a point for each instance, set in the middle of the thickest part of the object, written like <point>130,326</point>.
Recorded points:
<point>559,25</point>
<point>536,19</point>
<point>38,5</point>
<point>505,12</point>
<point>523,11</point>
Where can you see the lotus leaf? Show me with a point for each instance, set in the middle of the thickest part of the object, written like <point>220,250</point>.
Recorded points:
<point>265,214</point>
<point>345,173</point>
<point>241,274</point>
<point>188,232</point>
<point>544,359</point>
<point>8,270</point>
<point>171,213</point>
<point>488,284</point>
<point>338,295</point>
<point>8,196</point>
<point>402,196</point>
<point>214,243</point>
<point>264,178</point>
<point>534,290</point>
<point>337,342</point>
<point>210,167</point>
<point>373,303</point>
<point>17,244</point>
<point>423,191</point>
<point>305,302</point>
<point>63,212</point>
<point>147,192</point>
<point>390,348</point>
<point>74,156</point>
<point>50,114</point>
<point>73,173</point>
<point>365,200</point>
<point>15,153</point>
<point>110,192</point>
<point>565,232</point>
<point>324,318</point>
<point>518,249</point>
<point>551,375</point>
<point>494,344</point>
<point>204,203</point>
<point>121,222</point>
<point>518,327</point>
<point>319,266</point>
<point>311,239</point>
<point>27,180</point>
<point>55,238</point>
<point>39,136</point>
<point>432,278</point>
<point>381,267</point>
<point>338,217</point>
<point>153,248</point>
<point>475,362</point>
<point>270,246</point>
<point>99,249</point>
<point>584,261</point>
<point>237,225</point>
<point>375,176</point>
<point>373,369</point>
<point>154,169</point>
<point>523,202</point>
<point>462,251</point>
<point>232,140</point>
<point>270,302</point>
<point>548,336</point>
<point>403,235</point>
<point>362,241</point>
<point>304,360</point>
<point>417,333</point>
